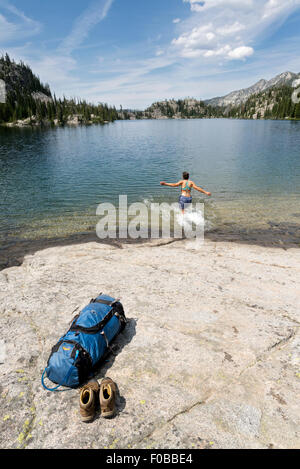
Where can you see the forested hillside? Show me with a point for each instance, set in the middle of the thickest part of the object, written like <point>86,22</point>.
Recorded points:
<point>275,103</point>
<point>27,98</point>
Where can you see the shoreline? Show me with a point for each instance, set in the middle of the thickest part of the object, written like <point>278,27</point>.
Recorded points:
<point>48,125</point>
<point>23,124</point>
<point>14,255</point>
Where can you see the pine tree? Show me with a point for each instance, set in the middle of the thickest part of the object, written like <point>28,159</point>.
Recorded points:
<point>297,111</point>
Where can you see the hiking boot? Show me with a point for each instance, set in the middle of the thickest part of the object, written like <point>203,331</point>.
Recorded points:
<point>108,391</point>
<point>89,398</point>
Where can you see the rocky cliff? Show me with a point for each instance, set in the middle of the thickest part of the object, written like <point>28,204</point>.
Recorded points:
<point>266,99</point>
<point>236,98</point>
<point>2,91</point>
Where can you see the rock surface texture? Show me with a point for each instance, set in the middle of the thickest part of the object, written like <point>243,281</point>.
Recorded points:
<point>209,358</point>
<point>2,92</point>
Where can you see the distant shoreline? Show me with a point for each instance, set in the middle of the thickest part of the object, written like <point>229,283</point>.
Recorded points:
<point>23,124</point>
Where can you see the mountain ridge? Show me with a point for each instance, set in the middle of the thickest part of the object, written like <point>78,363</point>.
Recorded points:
<point>24,100</point>
<point>238,97</point>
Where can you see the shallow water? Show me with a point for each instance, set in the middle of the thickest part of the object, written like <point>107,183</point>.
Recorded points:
<point>51,181</point>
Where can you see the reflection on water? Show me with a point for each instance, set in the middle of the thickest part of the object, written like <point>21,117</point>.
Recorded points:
<point>51,181</point>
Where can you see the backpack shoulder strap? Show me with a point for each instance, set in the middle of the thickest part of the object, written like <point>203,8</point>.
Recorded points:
<point>105,302</point>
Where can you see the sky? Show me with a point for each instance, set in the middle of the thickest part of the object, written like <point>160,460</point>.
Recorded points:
<point>135,52</point>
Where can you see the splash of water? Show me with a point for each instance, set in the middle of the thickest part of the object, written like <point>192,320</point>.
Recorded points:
<point>190,217</point>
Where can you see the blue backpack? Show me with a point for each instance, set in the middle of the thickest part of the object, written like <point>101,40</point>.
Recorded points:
<point>86,344</point>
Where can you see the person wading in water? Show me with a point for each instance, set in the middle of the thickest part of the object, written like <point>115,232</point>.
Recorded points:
<point>186,188</point>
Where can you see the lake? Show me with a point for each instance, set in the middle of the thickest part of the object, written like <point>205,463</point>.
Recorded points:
<point>52,180</point>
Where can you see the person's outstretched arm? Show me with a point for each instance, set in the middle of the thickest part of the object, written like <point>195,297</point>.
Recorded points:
<point>200,190</point>
<point>177,184</point>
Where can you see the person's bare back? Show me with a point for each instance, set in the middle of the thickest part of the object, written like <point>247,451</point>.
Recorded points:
<point>186,188</point>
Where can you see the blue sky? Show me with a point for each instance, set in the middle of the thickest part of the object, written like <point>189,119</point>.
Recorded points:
<point>134,52</point>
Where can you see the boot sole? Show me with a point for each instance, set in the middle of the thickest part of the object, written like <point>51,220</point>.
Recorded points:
<point>87,419</point>
<point>107,415</point>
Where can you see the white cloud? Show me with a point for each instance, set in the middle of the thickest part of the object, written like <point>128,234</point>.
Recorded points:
<point>176,20</point>
<point>241,52</point>
<point>276,8</point>
<point>17,28</point>
<point>59,68</point>
<point>7,30</point>
<point>199,5</point>
<point>55,69</point>
<point>229,28</point>
<point>198,39</point>
<point>93,15</point>
<point>218,32</point>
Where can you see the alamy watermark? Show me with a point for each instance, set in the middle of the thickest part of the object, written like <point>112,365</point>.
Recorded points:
<point>143,221</point>
<point>296,93</point>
